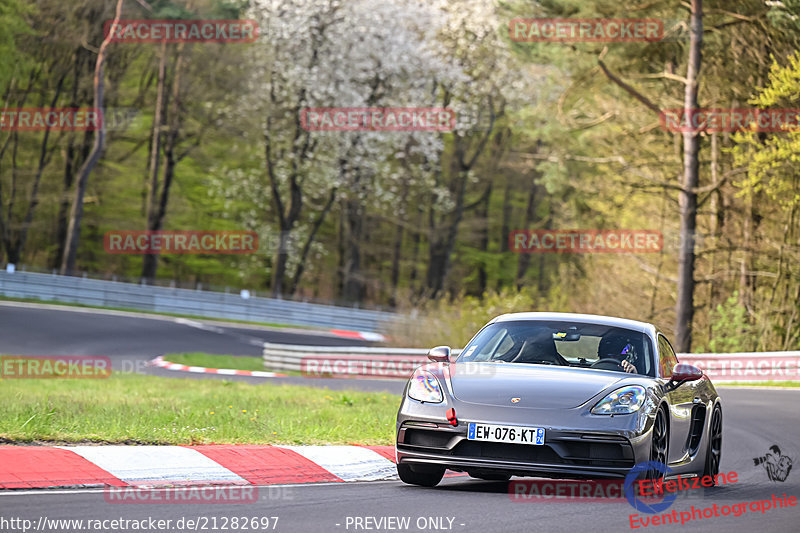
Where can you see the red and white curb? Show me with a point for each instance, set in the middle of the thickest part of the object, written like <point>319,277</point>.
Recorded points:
<point>160,362</point>
<point>363,335</point>
<point>151,466</point>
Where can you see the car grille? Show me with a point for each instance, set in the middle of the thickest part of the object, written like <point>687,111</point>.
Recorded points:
<point>568,452</point>
<point>560,448</point>
<point>511,452</point>
<point>427,438</point>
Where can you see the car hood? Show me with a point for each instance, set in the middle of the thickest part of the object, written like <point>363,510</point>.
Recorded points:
<point>536,386</point>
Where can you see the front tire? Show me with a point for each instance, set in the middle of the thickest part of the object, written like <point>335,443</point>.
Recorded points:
<point>659,445</point>
<point>425,476</point>
<point>714,451</point>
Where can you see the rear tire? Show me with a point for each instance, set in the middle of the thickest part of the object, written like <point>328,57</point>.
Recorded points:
<point>425,476</point>
<point>714,451</point>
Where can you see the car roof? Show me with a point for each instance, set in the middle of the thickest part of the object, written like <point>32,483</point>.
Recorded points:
<point>635,325</point>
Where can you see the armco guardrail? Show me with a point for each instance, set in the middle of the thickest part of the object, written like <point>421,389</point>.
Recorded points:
<point>188,302</point>
<point>354,362</point>
<point>348,361</point>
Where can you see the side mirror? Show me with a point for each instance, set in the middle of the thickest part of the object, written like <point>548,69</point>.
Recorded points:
<point>440,354</point>
<point>685,372</point>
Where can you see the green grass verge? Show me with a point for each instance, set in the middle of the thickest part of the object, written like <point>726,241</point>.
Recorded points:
<point>789,384</point>
<point>236,362</point>
<point>136,409</point>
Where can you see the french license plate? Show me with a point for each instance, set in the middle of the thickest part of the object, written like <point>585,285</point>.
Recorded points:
<point>510,434</point>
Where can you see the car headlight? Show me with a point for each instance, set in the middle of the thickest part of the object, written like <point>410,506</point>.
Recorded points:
<point>425,387</point>
<point>621,402</point>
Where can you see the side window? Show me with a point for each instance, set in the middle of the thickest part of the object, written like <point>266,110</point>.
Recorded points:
<point>485,352</point>
<point>503,348</point>
<point>667,356</point>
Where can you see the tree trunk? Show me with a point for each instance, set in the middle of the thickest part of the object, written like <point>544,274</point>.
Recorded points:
<point>44,160</point>
<point>340,247</point>
<point>156,222</point>
<point>441,247</point>
<point>416,243</point>
<point>717,208</point>
<point>542,281</point>
<point>72,158</point>
<point>687,200</point>
<point>286,218</point>
<point>76,213</point>
<point>530,214</point>
<point>482,216</point>
<point>301,265</point>
<point>505,227</point>
<point>395,270</point>
<point>149,260</point>
<point>354,288</point>
<point>397,248</point>
<point>442,241</point>
<point>281,258</point>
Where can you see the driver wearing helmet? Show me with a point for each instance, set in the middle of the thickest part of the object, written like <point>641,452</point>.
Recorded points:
<point>630,357</point>
<point>621,349</point>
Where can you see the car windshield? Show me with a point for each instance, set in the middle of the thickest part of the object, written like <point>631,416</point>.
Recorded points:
<point>561,343</point>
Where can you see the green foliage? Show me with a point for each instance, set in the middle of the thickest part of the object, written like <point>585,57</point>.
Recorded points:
<point>13,23</point>
<point>785,15</point>
<point>731,330</point>
<point>772,159</point>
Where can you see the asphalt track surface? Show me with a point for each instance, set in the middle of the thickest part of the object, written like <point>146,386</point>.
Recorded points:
<point>754,420</point>
<point>130,340</point>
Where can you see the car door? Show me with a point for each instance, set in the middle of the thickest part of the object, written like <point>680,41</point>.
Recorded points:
<point>681,400</point>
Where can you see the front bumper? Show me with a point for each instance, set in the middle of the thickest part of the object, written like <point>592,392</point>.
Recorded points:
<point>577,443</point>
<point>564,454</point>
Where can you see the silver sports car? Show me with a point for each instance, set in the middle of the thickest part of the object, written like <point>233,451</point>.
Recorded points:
<point>558,395</point>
